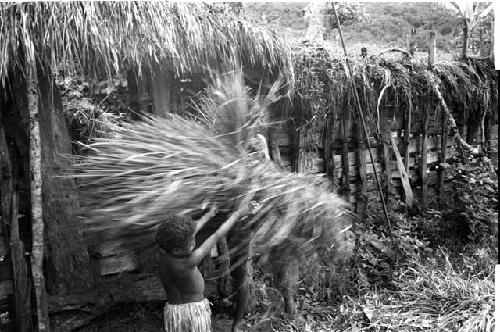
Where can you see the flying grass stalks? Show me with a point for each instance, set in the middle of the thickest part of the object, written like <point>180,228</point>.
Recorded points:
<point>178,165</point>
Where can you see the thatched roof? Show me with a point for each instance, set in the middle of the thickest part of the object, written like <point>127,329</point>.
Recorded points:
<point>96,38</point>
<point>323,83</point>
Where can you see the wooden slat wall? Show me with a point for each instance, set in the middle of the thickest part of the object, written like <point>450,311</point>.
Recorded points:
<point>113,260</point>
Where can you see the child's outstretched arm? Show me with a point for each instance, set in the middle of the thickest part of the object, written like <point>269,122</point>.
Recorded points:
<point>204,249</point>
<point>205,218</point>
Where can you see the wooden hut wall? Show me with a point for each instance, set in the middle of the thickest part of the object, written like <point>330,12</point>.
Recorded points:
<point>311,159</point>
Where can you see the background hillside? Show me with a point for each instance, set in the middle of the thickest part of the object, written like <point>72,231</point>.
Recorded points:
<point>377,25</point>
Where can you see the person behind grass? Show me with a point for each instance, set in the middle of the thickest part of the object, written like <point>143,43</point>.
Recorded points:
<point>187,309</point>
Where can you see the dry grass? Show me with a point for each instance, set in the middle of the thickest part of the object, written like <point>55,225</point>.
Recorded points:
<point>431,295</point>
<point>101,38</point>
<point>147,169</point>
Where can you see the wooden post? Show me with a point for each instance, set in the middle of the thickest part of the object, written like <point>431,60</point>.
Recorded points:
<point>162,92</point>
<point>482,49</point>
<point>423,165</point>
<point>361,163</point>
<point>22,289</point>
<point>410,41</point>
<point>432,50</point>
<point>38,246</point>
<point>386,138</point>
<point>327,147</point>
<point>407,136</point>
<point>488,119</point>
<point>492,36</point>
<point>442,154</point>
<point>345,188</point>
<point>22,285</point>
<point>465,38</point>
<point>139,87</point>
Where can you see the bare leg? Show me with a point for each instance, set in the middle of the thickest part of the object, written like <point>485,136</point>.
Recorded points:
<point>287,284</point>
<point>240,287</point>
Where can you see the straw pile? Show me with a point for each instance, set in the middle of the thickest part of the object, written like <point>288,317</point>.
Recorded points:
<point>147,169</point>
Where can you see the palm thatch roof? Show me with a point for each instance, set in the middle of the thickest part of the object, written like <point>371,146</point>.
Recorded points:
<point>96,38</point>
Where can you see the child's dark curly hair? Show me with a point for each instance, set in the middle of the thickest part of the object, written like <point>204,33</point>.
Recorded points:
<point>174,232</point>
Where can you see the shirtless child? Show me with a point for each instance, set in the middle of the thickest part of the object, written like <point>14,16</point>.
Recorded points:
<point>187,309</point>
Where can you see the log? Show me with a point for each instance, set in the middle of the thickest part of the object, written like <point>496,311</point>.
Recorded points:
<point>38,247</point>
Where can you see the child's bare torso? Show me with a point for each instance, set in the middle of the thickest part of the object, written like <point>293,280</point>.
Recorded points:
<point>183,283</point>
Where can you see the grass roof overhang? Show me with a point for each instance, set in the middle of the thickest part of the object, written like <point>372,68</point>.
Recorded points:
<point>97,38</point>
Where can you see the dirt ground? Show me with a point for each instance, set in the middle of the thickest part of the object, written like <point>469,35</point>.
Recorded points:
<point>137,317</point>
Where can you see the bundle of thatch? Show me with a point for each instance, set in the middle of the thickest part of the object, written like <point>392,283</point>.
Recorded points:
<point>160,166</point>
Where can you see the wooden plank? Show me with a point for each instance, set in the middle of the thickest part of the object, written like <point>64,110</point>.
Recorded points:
<point>351,156</point>
<point>117,264</point>
<point>404,176</point>
<point>281,138</point>
<point>353,172</point>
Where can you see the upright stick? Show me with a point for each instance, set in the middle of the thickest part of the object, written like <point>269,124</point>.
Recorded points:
<point>362,118</point>
<point>37,250</point>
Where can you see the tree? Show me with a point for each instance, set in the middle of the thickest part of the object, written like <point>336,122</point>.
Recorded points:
<point>472,14</point>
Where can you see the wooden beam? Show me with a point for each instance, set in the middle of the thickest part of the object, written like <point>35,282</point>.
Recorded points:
<point>442,154</point>
<point>361,162</point>
<point>344,189</point>
<point>423,160</point>
<point>328,166</point>
<point>407,134</point>
<point>162,92</point>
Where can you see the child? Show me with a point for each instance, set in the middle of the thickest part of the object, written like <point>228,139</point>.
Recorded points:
<point>186,309</point>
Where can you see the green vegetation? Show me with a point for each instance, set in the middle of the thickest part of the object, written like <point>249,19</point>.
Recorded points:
<point>382,23</point>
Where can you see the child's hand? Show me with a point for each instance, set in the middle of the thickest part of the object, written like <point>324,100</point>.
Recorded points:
<point>212,211</point>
